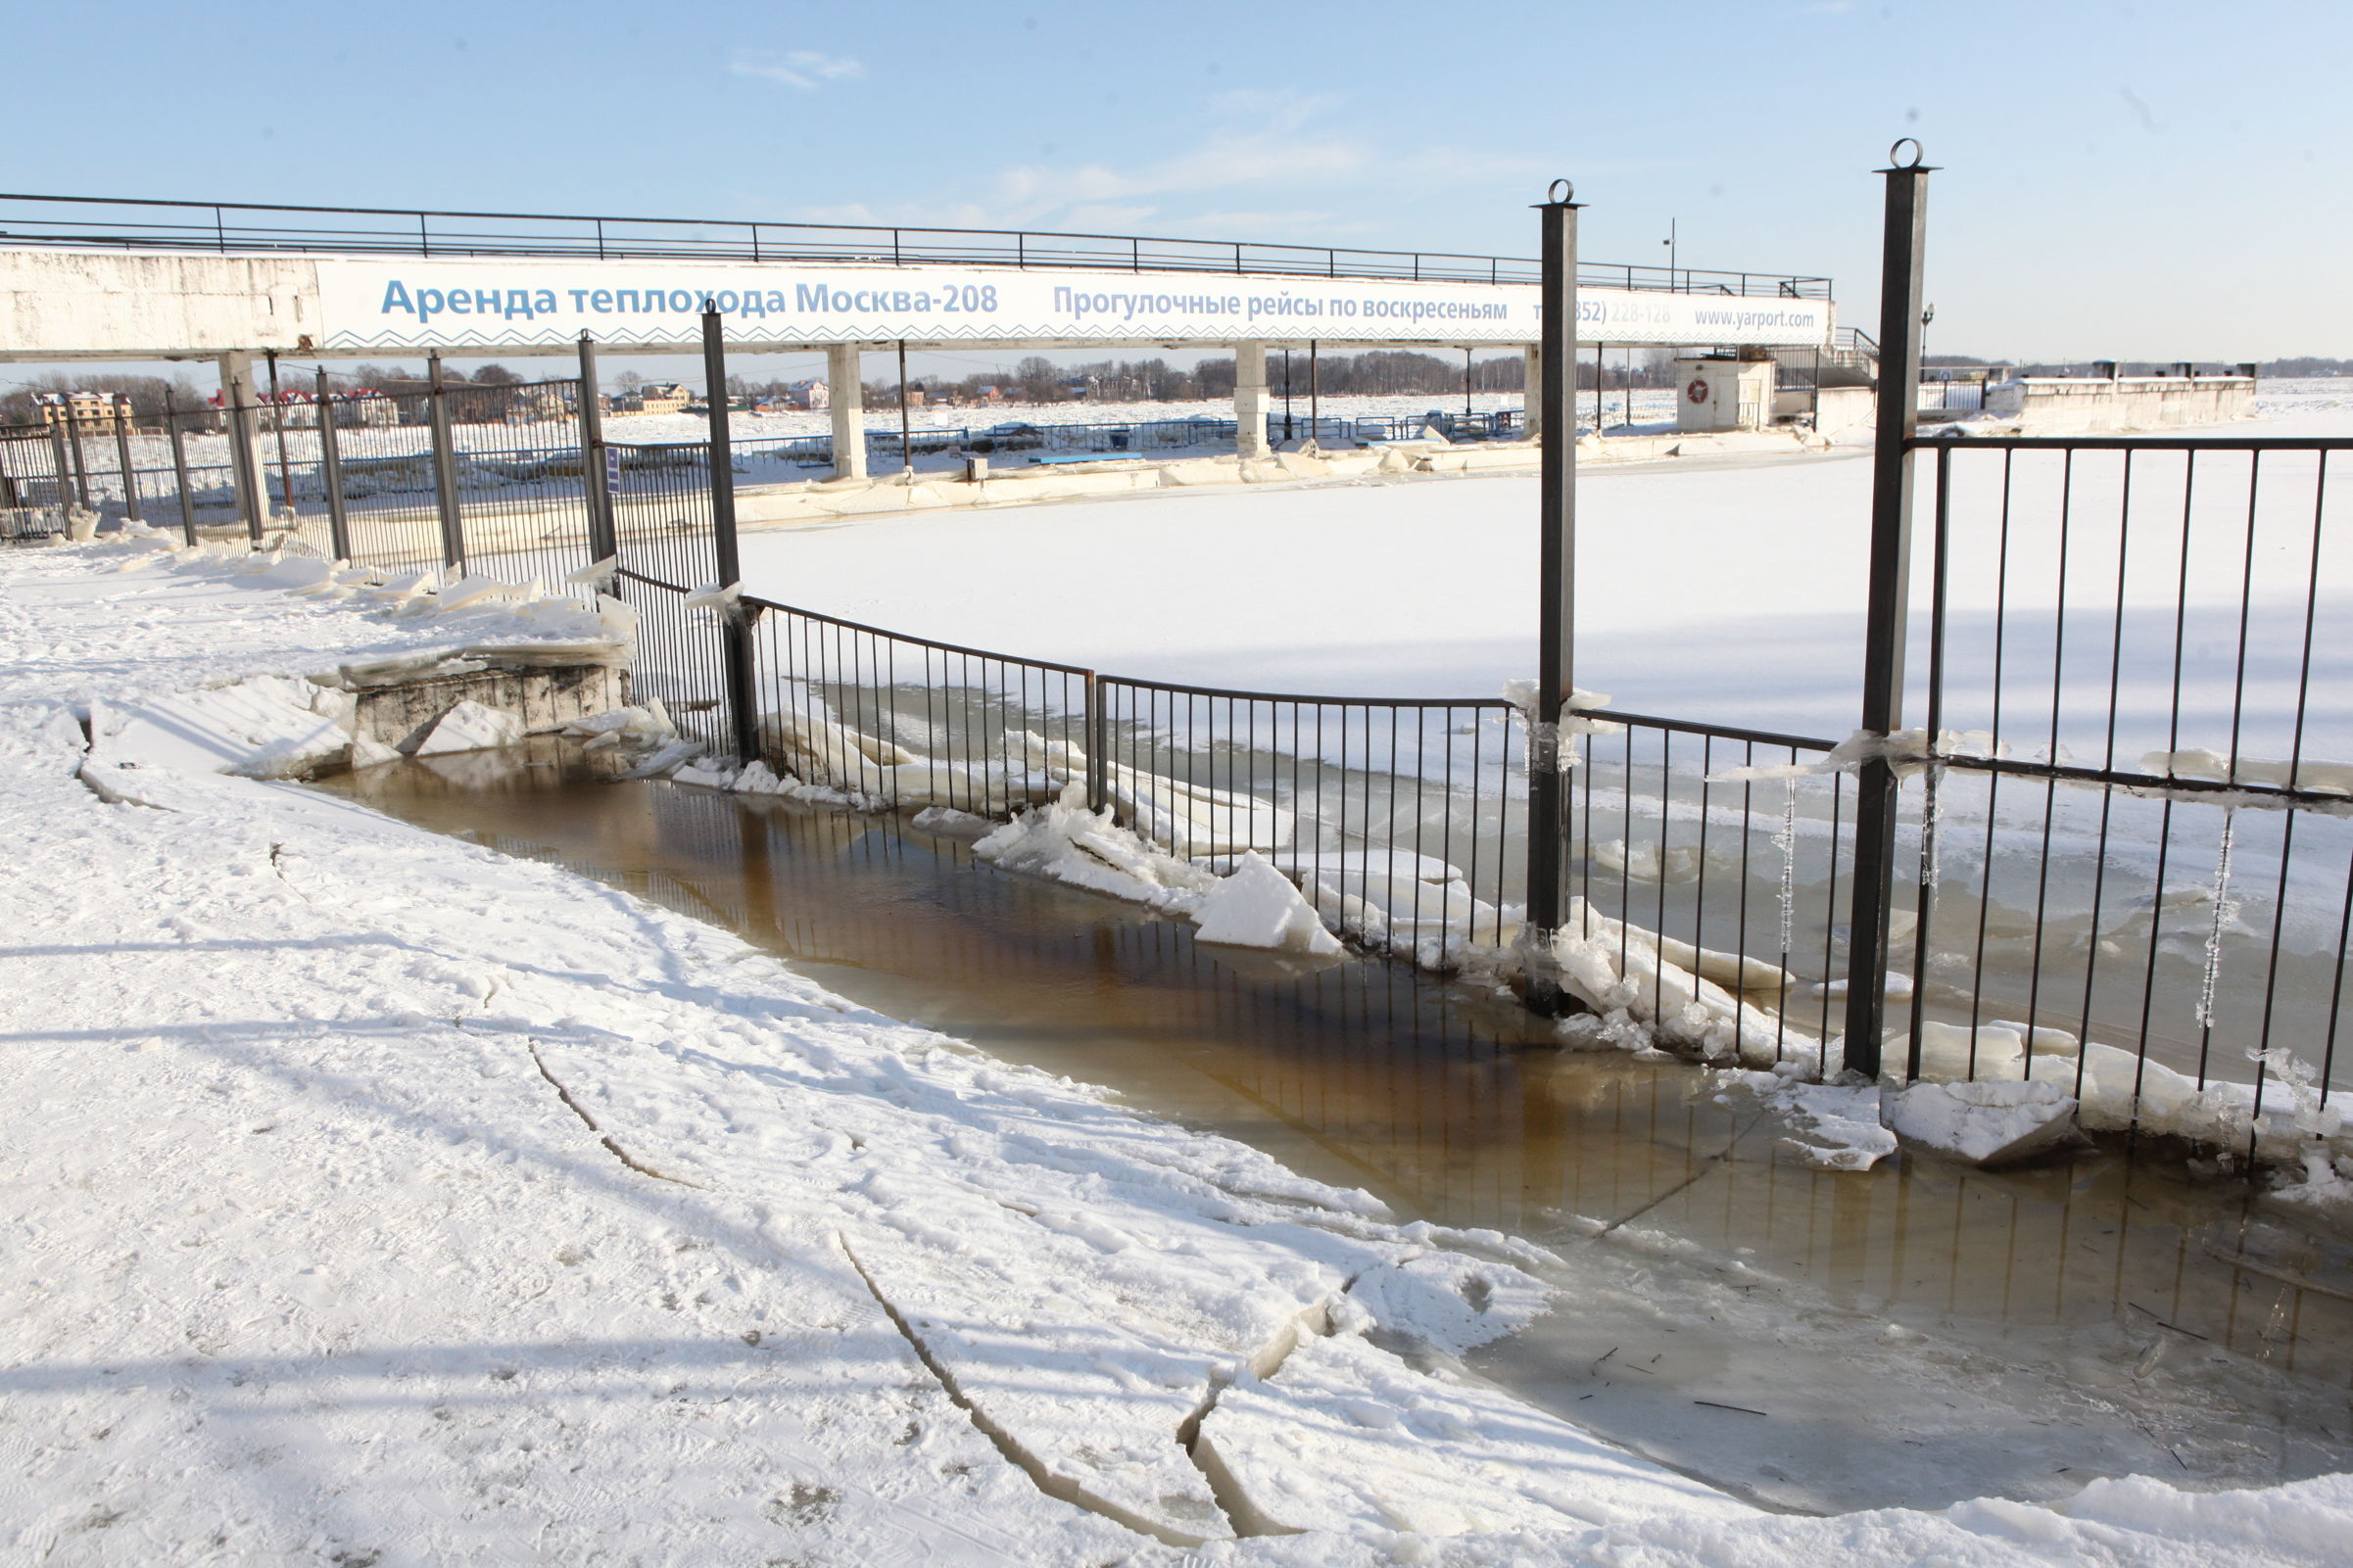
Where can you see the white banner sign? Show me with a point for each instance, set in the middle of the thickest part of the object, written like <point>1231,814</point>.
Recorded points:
<point>457,303</point>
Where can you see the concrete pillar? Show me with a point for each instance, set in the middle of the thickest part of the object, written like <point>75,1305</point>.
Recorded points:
<point>243,433</point>
<point>1532,396</point>
<point>844,365</point>
<point>1250,398</point>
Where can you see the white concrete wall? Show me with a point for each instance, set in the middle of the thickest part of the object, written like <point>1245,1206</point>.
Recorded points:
<point>2068,408</point>
<point>845,368</point>
<point>1250,398</point>
<point>66,304</point>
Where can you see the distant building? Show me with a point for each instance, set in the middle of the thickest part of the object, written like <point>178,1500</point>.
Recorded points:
<point>59,406</point>
<point>809,396</point>
<point>538,403</point>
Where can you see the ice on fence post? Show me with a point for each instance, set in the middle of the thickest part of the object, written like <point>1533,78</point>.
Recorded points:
<point>1258,907</point>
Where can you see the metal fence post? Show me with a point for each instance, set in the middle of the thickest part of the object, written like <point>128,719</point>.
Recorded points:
<point>277,415</point>
<point>330,463</point>
<point>445,467</point>
<point>82,466</point>
<point>603,537</point>
<point>1097,767</point>
<point>64,472</point>
<point>736,629</point>
<point>179,469</point>
<point>130,475</point>
<point>1557,609</point>
<point>1876,799</point>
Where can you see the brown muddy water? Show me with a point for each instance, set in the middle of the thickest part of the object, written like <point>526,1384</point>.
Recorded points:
<point>1813,1340</point>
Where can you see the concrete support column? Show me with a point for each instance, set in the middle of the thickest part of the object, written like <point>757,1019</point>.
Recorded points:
<point>1532,396</point>
<point>237,404</point>
<point>1250,398</point>
<point>844,366</point>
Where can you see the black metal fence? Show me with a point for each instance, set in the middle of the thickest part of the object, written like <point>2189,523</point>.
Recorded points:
<point>36,482</point>
<point>362,476</point>
<point>2134,850</point>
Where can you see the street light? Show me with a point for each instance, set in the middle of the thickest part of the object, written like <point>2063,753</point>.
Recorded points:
<point>1925,316</point>
<point>1669,243</point>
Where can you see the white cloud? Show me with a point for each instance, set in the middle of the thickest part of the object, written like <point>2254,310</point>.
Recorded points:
<point>1271,165</point>
<point>803,69</point>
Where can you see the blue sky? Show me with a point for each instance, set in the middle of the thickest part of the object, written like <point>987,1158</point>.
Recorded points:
<point>2144,180</point>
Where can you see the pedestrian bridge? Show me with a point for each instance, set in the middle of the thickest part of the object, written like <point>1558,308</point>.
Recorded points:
<point>100,278</point>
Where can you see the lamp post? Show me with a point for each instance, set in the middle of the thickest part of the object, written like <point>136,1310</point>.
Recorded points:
<point>1669,243</point>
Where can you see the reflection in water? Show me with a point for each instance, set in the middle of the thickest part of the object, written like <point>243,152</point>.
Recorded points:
<point>1913,1334</point>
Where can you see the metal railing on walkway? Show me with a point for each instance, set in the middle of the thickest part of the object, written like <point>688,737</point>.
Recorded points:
<point>129,224</point>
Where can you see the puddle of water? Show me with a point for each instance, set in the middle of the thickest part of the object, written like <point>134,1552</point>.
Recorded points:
<point>1911,1335</point>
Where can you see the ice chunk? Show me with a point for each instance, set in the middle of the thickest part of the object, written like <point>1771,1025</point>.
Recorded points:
<point>1953,1052</point>
<point>1258,907</point>
<point>471,727</point>
<point>1983,1123</point>
<point>368,753</point>
<point>1834,1125</point>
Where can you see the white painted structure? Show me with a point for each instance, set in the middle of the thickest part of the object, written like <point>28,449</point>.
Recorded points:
<point>2075,405</point>
<point>1718,393</point>
<point>60,303</point>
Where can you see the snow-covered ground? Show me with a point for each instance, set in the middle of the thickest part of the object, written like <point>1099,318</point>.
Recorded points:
<point>377,1199</point>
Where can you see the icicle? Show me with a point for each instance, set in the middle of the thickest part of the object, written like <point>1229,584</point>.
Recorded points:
<point>1786,842</point>
<point>1932,818</point>
<point>2225,910</point>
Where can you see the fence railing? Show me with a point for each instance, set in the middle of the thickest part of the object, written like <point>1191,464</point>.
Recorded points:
<point>359,476</point>
<point>2133,852</point>
<point>124,223</point>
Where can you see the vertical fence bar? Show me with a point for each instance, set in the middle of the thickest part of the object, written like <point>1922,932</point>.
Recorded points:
<point>130,476</point>
<point>330,463</point>
<point>735,632</point>
<point>179,469</point>
<point>64,472</point>
<point>604,535</point>
<point>1097,769</point>
<point>1876,802</point>
<point>277,415</point>
<point>445,465</point>
<point>1557,610</point>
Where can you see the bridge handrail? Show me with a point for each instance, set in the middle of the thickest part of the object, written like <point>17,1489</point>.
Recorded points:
<point>739,239</point>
